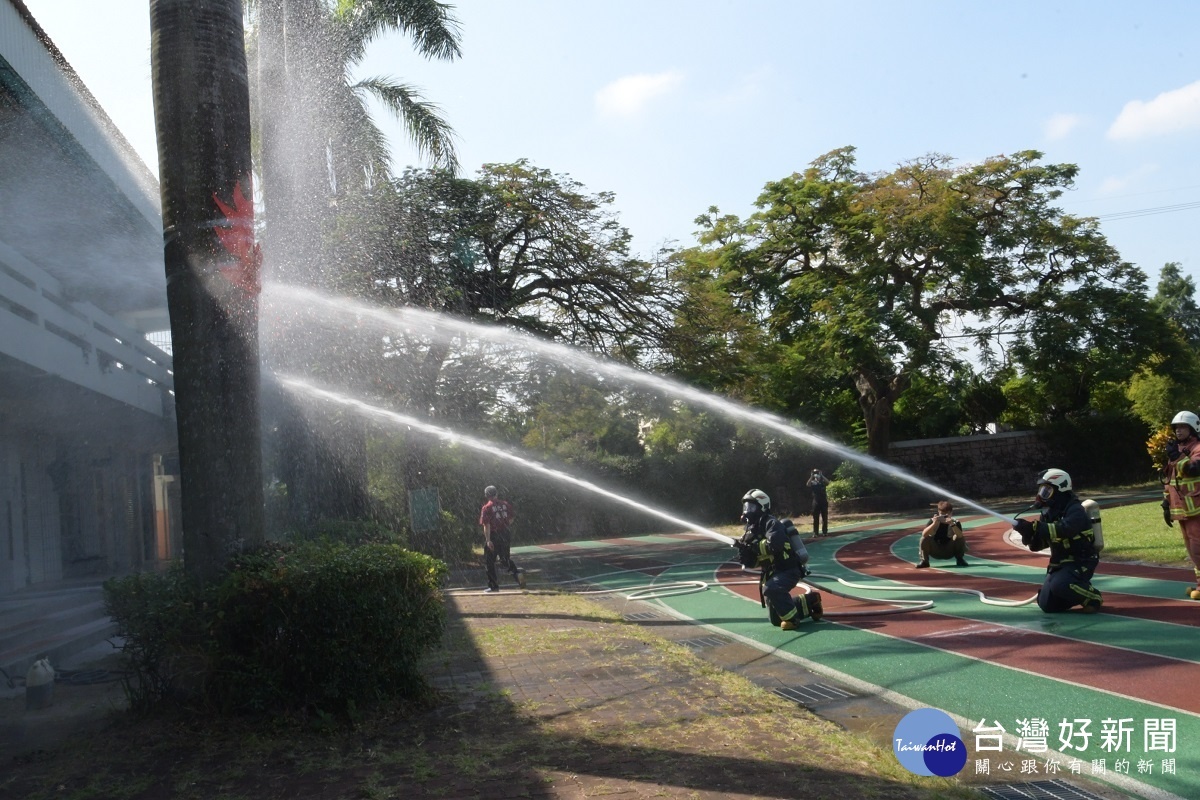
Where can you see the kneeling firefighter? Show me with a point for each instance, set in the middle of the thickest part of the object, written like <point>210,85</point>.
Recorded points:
<point>766,544</point>
<point>1066,528</point>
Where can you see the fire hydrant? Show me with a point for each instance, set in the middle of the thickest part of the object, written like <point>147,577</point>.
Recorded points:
<point>39,685</point>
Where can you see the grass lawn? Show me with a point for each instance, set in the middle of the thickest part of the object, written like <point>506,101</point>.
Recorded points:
<point>1138,533</point>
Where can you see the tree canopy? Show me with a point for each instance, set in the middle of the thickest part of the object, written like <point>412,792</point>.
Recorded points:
<point>867,277</point>
<point>515,245</point>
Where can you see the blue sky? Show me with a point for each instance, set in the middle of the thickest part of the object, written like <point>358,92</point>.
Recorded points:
<point>676,105</point>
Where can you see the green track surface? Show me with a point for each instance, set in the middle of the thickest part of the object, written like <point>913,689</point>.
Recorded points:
<point>970,690</point>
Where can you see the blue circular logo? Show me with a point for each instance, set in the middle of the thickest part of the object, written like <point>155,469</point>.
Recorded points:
<point>927,743</point>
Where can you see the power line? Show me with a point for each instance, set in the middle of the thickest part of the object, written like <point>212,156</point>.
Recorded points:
<point>1147,212</point>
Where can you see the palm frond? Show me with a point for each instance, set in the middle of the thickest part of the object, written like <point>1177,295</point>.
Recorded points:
<point>430,134</point>
<point>434,31</point>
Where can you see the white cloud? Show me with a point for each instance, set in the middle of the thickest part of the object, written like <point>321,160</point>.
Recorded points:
<point>1060,126</point>
<point>627,96</point>
<point>1114,184</point>
<point>1170,112</point>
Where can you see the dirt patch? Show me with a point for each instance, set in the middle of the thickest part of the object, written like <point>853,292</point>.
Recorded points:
<point>82,702</point>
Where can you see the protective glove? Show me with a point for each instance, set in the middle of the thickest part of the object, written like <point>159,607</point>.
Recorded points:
<point>1172,451</point>
<point>1025,528</point>
<point>747,554</point>
<point>1166,507</point>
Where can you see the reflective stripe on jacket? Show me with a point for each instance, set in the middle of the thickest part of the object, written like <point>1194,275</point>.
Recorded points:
<point>1182,487</point>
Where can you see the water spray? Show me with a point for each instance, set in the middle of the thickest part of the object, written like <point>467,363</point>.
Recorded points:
<point>429,323</point>
<point>491,449</point>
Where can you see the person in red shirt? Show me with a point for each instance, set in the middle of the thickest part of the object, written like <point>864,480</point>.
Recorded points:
<point>496,518</point>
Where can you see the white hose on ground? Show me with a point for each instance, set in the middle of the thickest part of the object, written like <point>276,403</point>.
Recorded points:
<point>651,591</point>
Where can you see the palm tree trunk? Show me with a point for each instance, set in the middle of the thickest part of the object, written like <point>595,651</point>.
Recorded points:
<point>323,459</point>
<point>202,113</point>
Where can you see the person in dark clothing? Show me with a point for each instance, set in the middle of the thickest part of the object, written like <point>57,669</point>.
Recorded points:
<point>766,545</point>
<point>820,502</point>
<point>1066,528</point>
<point>496,517</point>
<point>943,537</point>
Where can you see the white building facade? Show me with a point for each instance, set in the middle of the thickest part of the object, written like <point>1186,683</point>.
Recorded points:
<point>87,428</point>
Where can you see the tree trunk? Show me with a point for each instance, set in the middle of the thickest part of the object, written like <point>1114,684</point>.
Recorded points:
<point>202,113</point>
<point>877,398</point>
<point>323,455</point>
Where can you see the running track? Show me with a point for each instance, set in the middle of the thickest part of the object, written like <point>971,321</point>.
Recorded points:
<point>1138,660</point>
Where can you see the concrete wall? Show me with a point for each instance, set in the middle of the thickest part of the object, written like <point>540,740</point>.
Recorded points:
<point>987,465</point>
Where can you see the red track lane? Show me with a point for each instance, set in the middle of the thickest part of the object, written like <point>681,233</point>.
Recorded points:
<point>1142,676</point>
<point>872,556</point>
<point>994,545</point>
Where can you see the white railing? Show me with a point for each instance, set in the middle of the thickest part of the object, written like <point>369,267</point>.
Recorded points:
<point>76,341</point>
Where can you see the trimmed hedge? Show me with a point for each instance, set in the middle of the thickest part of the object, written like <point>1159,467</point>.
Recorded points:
<point>321,627</point>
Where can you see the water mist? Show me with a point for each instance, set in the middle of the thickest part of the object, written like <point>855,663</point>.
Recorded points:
<point>443,328</point>
<point>401,420</point>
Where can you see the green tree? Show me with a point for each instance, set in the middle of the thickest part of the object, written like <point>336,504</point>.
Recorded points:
<point>866,274</point>
<point>1176,299</point>
<point>318,144</point>
<point>1170,381</point>
<point>516,244</point>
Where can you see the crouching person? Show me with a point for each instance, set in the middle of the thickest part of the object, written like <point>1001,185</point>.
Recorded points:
<point>943,537</point>
<point>1065,527</point>
<point>766,545</point>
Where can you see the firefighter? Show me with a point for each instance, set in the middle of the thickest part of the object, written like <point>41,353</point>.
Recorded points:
<point>765,545</point>
<point>1181,488</point>
<point>1066,528</point>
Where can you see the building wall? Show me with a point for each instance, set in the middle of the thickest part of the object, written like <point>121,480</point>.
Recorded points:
<point>71,511</point>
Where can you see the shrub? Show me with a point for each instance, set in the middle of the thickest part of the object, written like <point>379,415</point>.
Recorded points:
<point>450,542</point>
<point>314,626</point>
<point>161,617</point>
<point>348,531</point>
<point>852,479</point>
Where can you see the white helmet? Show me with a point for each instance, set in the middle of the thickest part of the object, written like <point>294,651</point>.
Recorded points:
<point>1187,418</point>
<point>758,496</point>
<point>1057,478</point>
<point>1051,482</point>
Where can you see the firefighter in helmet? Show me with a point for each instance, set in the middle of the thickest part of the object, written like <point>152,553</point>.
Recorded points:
<point>766,545</point>
<point>1181,488</point>
<point>1066,528</point>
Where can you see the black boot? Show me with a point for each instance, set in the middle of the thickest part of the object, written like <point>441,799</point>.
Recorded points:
<point>816,609</point>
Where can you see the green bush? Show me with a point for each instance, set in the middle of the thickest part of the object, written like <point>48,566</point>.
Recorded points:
<point>314,626</point>
<point>349,532</point>
<point>450,542</point>
<point>852,479</point>
<point>162,619</point>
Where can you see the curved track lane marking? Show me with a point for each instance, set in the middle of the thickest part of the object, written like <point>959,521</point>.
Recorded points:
<point>1128,673</point>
